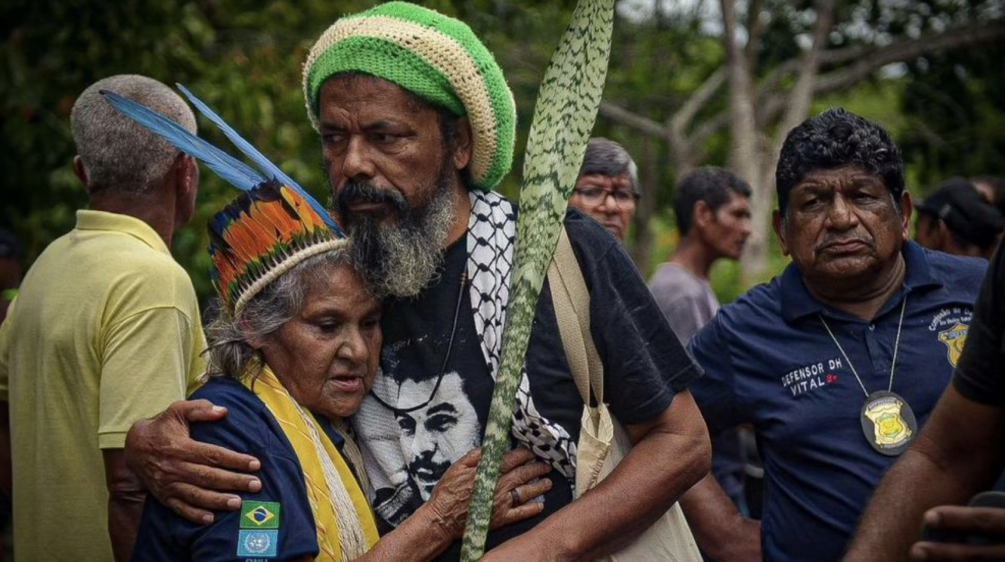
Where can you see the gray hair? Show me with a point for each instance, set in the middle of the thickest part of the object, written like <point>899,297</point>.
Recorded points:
<point>607,158</point>
<point>117,153</point>
<point>230,352</point>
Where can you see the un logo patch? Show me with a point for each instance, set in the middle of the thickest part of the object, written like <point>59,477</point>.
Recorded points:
<point>261,544</point>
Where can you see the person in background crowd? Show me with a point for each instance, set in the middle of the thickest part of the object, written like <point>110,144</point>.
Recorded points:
<point>608,186</point>
<point>957,220</point>
<point>712,206</point>
<point>105,331</point>
<point>839,361</point>
<point>993,189</point>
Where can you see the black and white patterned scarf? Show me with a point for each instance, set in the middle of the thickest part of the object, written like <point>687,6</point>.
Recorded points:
<point>491,237</point>
<point>490,246</point>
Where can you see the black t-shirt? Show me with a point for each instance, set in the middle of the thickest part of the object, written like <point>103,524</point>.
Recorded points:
<point>980,375</point>
<point>441,403</point>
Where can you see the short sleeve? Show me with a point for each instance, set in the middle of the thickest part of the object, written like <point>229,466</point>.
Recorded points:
<point>644,362</point>
<point>150,346</point>
<point>715,393</point>
<point>979,374</point>
<point>686,315</point>
<point>684,300</point>
<point>147,361</point>
<point>275,524</point>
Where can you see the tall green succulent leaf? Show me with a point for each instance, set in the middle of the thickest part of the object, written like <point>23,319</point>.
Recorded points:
<point>566,109</point>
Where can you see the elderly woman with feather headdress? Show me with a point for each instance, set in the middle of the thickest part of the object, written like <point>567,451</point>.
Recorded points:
<point>292,354</point>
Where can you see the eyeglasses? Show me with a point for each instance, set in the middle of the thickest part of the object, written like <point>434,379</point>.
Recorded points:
<point>597,196</point>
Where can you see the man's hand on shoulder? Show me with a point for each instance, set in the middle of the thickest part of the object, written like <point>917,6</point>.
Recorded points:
<point>186,475</point>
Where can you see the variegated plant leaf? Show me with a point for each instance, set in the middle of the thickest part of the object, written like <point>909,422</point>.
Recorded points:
<point>566,110</point>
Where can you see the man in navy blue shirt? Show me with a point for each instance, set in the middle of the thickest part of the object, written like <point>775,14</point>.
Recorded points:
<point>839,361</point>
<point>960,453</point>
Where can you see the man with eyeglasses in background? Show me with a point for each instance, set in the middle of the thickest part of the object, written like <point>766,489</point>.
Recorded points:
<point>608,186</point>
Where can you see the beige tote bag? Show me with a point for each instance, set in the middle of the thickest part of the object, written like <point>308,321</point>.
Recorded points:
<point>603,442</point>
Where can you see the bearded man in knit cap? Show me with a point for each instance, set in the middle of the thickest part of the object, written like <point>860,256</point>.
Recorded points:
<point>417,127</point>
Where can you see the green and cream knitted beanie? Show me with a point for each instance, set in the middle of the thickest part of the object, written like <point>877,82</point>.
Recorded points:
<point>435,57</point>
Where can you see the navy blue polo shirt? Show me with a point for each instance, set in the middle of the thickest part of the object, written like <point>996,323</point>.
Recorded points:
<point>274,524</point>
<point>769,361</point>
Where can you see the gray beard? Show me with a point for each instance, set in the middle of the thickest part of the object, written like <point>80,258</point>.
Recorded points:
<point>400,258</point>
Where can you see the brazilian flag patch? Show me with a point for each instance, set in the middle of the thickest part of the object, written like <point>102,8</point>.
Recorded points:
<point>259,515</point>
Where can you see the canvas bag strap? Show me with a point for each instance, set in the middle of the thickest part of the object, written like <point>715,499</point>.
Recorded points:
<point>606,442</point>
<point>571,299</point>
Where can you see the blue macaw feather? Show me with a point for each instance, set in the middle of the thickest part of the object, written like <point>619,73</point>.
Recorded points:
<point>235,172</point>
<point>257,157</point>
<point>250,151</point>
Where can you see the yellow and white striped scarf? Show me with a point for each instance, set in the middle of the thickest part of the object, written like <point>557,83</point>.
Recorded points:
<point>342,516</point>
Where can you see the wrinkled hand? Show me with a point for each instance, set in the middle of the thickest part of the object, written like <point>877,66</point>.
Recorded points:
<point>529,482</point>
<point>450,498</point>
<point>966,520</point>
<point>183,474</point>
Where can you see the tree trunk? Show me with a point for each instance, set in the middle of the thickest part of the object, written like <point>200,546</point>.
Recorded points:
<point>754,262</point>
<point>744,149</point>
<point>651,172</point>
<point>755,257</point>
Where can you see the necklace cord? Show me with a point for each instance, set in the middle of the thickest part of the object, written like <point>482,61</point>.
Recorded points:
<point>446,358</point>
<point>896,349</point>
<point>896,343</point>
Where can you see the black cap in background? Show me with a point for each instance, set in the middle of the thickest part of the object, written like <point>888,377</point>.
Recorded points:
<point>965,211</point>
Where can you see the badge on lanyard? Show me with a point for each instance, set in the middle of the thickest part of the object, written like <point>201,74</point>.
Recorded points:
<point>888,423</point>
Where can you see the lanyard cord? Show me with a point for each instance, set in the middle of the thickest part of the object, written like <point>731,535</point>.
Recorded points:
<point>446,359</point>
<point>896,348</point>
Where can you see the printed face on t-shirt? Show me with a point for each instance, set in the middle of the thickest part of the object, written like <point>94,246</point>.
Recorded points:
<point>439,433</point>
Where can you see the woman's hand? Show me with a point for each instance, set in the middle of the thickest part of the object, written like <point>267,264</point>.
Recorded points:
<point>440,521</point>
<point>519,482</point>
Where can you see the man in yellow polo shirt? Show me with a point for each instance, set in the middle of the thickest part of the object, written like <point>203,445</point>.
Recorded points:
<point>105,331</point>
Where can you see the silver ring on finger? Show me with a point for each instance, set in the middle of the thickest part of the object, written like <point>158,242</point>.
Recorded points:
<point>515,497</point>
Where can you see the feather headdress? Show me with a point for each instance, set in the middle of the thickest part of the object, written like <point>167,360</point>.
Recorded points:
<point>270,228</point>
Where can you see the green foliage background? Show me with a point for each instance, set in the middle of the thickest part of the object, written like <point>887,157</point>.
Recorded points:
<point>244,58</point>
